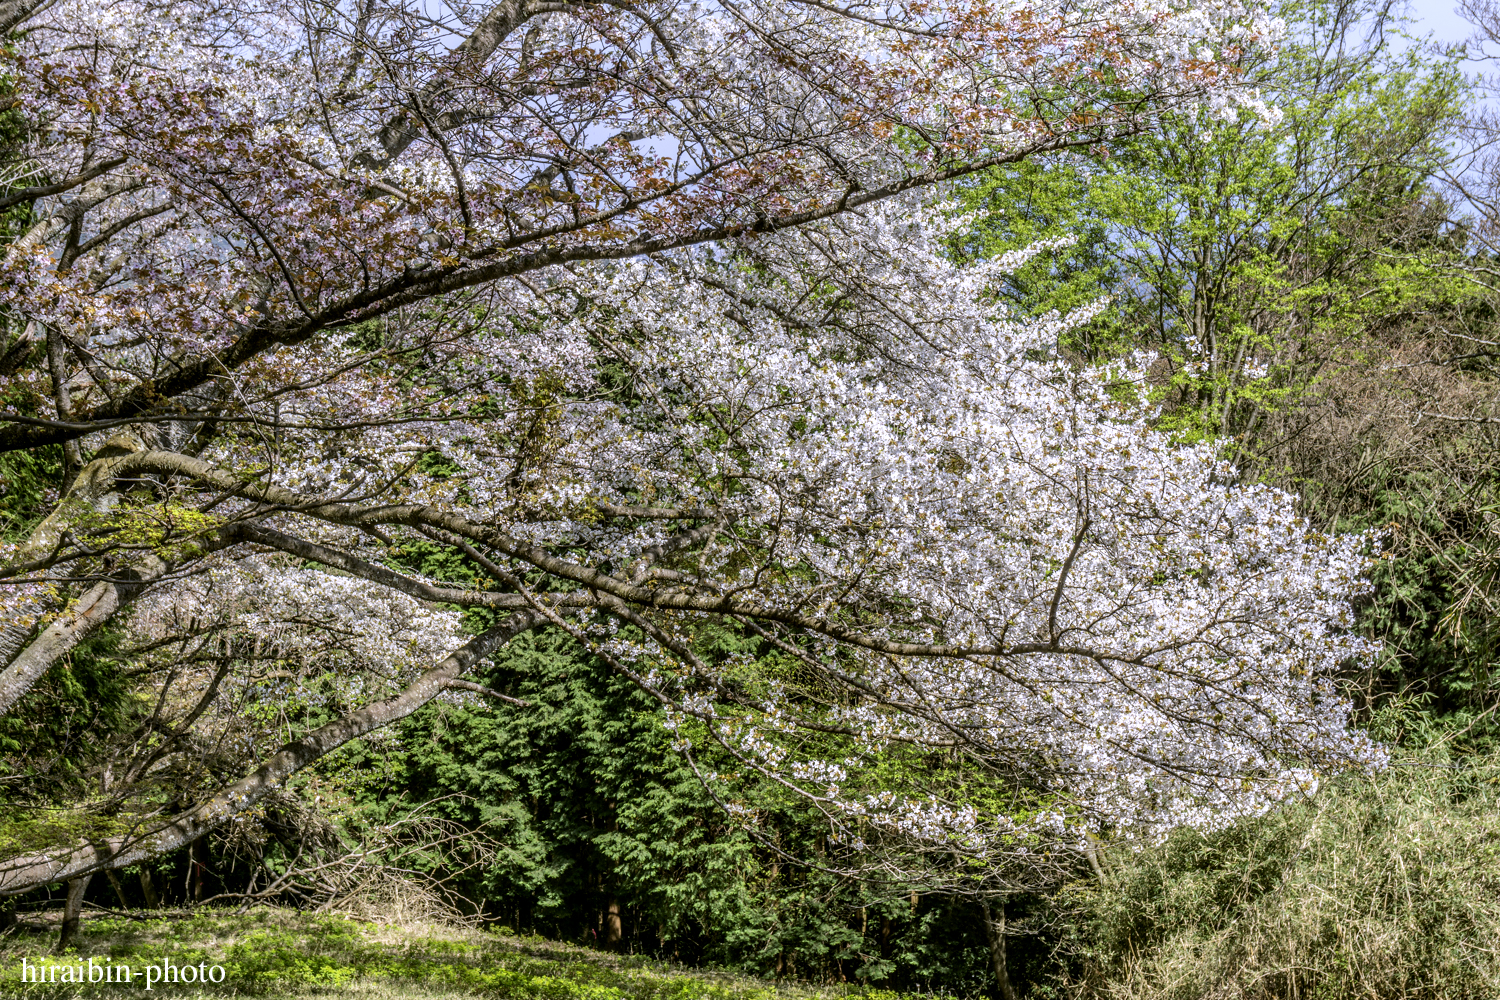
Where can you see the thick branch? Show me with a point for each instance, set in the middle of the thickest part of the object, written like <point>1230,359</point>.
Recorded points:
<point>375,573</point>
<point>108,597</point>
<point>469,58</point>
<point>88,490</point>
<point>146,400</point>
<point>67,184</point>
<point>1062,579</point>
<point>91,611</point>
<point>417,515</point>
<point>15,12</point>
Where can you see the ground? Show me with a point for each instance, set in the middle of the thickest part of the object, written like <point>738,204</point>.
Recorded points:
<point>289,954</point>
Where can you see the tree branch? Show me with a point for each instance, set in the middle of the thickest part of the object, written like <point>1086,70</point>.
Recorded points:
<point>15,12</point>
<point>91,610</point>
<point>24,873</point>
<point>146,400</point>
<point>418,515</point>
<point>43,190</point>
<point>487,692</point>
<point>375,573</point>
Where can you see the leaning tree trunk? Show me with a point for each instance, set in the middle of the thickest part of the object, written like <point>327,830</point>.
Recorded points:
<point>28,650</point>
<point>994,930</point>
<point>72,910</point>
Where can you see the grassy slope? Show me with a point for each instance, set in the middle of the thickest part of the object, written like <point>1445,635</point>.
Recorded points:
<point>281,953</point>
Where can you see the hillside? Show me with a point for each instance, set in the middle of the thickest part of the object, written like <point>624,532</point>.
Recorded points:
<point>285,953</point>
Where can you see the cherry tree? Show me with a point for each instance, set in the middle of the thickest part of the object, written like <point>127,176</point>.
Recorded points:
<point>642,310</point>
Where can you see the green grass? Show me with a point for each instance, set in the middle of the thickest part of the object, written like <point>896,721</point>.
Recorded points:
<point>282,953</point>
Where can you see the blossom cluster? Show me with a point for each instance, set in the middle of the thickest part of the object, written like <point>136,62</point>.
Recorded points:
<point>622,309</point>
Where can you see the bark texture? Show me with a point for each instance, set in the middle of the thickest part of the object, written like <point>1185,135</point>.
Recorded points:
<point>92,491</point>
<point>14,13</point>
<point>613,925</point>
<point>994,931</point>
<point>72,912</point>
<point>91,611</point>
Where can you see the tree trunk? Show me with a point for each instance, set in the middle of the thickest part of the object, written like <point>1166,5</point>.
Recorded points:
<point>148,889</point>
<point>71,911</point>
<point>202,857</point>
<point>118,887</point>
<point>38,646</point>
<point>994,930</point>
<point>195,870</point>
<point>612,925</point>
<point>58,366</point>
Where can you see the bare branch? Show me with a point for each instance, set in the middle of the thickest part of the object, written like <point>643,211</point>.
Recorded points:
<point>22,874</point>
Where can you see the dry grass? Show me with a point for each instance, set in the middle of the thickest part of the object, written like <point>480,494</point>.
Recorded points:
<point>1380,889</point>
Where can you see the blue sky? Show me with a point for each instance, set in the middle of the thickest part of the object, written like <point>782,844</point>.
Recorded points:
<point>1439,18</point>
